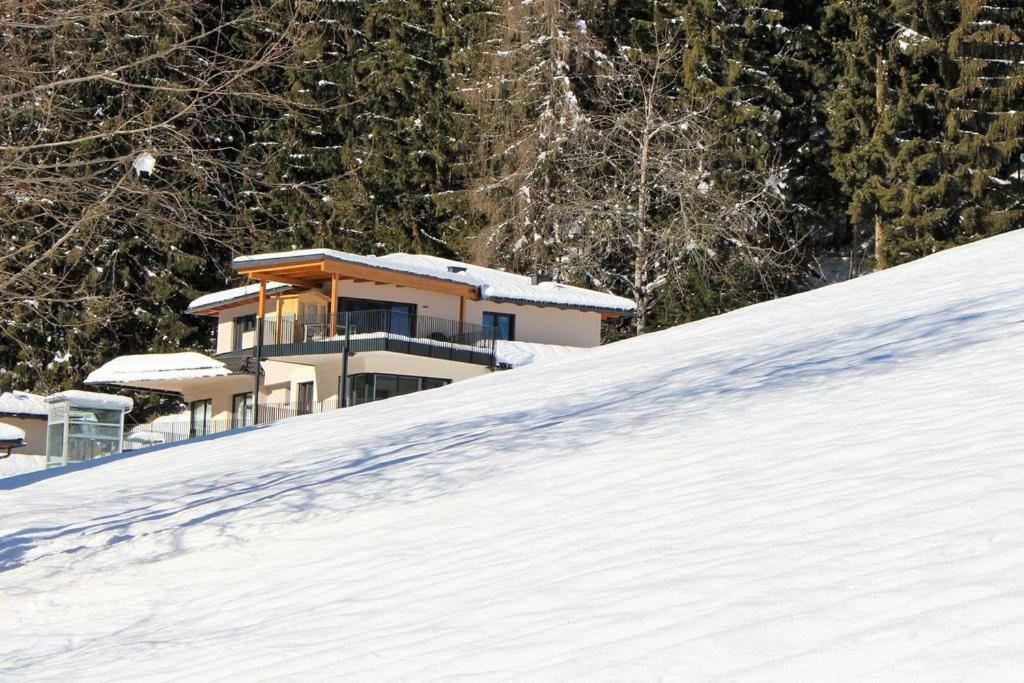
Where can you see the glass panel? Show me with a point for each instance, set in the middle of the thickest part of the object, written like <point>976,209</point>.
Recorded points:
<point>242,336</point>
<point>241,410</point>
<point>503,324</point>
<point>200,417</point>
<point>408,385</point>
<point>391,316</point>
<point>386,387</point>
<point>360,388</point>
<point>432,383</point>
<point>305,398</point>
<point>54,443</point>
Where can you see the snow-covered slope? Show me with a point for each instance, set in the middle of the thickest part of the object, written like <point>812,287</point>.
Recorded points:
<point>825,487</point>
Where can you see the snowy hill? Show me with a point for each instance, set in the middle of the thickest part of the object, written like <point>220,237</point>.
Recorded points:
<point>825,486</point>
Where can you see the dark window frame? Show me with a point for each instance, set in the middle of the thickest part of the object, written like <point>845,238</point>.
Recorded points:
<point>511,324</point>
<point>411,312</point>
<point>300,408</point>
<point>207,423</point>
<point>369,379</point>
<point>241,324</point>
<point>246,418</point>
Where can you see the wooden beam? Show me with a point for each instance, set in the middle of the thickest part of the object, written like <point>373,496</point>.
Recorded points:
<point>333,306</point>
<point>261,302</point>
<point>462,315</point>
<point>286,279</point>
<point>391,277</point>
<point>281,268</point>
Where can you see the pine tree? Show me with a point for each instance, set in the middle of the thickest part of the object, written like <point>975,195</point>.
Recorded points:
<point>985,123</point>
<point>376,168</point>
<point>523,84</point>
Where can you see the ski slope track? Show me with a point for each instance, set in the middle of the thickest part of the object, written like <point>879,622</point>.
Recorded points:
<point>824,487</point>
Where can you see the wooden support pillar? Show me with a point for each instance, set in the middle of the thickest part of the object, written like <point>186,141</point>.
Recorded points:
<point>462,318</point>
<point>333,307</point>
<point>261,312</point>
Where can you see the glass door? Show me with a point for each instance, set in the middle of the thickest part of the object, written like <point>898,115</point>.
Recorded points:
<point>304,400</point>
<point>200,413</point>
<point>241,410</point>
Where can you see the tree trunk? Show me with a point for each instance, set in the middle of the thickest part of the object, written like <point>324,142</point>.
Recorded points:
<point>640,257</point>
<point>880,262</point>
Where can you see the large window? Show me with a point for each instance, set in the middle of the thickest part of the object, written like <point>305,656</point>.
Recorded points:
<point>244,324</point>
<point>366,387</point>
<point>200,413</point>
<point>369,315</point>
<point>241,410</point>
<point>504,325</point>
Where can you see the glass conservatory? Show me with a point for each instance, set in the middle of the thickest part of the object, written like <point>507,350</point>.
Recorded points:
<point>83,425</point>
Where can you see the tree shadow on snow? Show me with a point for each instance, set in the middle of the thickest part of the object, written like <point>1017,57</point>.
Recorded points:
<point>699,382</point>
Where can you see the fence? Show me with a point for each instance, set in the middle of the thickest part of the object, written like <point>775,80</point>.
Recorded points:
<point>163,431</point>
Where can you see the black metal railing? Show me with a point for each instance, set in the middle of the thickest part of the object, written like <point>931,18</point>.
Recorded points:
<point>377,330</point>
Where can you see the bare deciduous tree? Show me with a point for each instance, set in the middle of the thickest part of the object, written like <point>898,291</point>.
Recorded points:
<point>638,199</point>
<point>120,122</point>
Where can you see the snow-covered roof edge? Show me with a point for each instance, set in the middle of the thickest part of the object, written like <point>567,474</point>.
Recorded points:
<point>92,399</point>
<point>22,404</point>
<point>235,295</point>
<point>184,365</point>
<point>493,285</point>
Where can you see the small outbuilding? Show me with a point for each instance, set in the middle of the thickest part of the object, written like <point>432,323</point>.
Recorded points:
<point>27,412</point>
<point>83,425</point>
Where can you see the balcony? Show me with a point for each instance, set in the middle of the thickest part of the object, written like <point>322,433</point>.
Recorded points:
<point>375,330</point>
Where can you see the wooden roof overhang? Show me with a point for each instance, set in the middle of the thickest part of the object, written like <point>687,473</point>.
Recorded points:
<point>313,272</point>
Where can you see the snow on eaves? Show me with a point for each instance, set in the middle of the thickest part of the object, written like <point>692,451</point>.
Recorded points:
<point>92,399</point>
<point>157,366</point>
<point>22,403</point>
<point>233,295</point>
<point>10,433</point>
<point>494,285</point>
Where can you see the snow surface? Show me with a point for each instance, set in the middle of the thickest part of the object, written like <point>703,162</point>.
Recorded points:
<point>22,403</point>
<point>157,366</point>
<point>235,294</point>
<point>20,463</point>
<point>495,285</point>
<point>825,487</point>
<point>11,433</point>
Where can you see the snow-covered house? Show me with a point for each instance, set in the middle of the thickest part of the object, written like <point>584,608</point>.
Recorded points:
<point>409,322</point>
<point>27,413</point>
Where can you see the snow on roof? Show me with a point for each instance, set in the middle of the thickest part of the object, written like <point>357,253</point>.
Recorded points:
<point>92,399</point>
<point>157,366</point>
<point>235,294</point>
<point>10,433</point>
<point>517,354</point>
<point>22,403</point>
<point>494,285</point>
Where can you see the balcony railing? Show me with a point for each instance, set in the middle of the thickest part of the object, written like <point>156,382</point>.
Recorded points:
<point>376,330</point>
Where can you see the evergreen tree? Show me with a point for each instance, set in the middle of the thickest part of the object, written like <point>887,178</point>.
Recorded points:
<point>523,85</point>
<point>986,116</point>
<point>375,169</point>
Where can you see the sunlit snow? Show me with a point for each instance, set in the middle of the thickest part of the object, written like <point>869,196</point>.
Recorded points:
<point>825,487</point>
